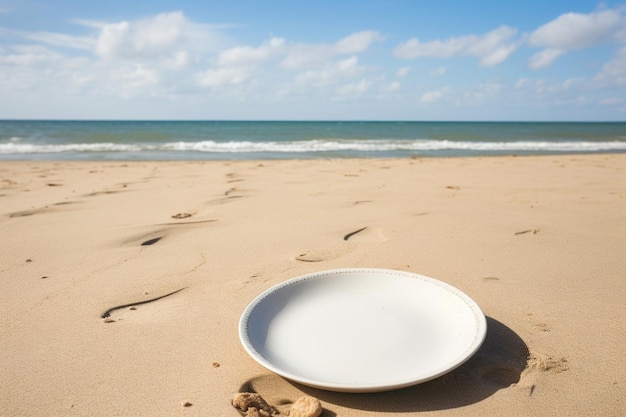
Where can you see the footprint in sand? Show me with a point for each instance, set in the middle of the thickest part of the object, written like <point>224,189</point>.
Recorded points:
<point>233,177</point>
<point>164,230</point>
<point>367,234</point>
<point>44,209</point>
<point>318,255</point>
<point>491,279</point>
<point>364,234</point>
<point>146,239</point>
<point>25,213</point>
<point>523,232</point>
<point>107,314</point>
<point>152,241</point>
<point>349,235</point>
<point>227,199</point>
<point>105,192</point>
<point>181,215</point>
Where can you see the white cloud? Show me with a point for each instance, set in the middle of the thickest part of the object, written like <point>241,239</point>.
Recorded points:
<point>613,73</point>
<point>403,72</point>
<point>169,44</point>
<point>356,42</point>
<point>521,83</point>
<point>36,71</point>
<point>300,56</point>
<point>54,39</point>
<point>242,55</point>
<point>611,101</point>
<point>134,80</point>
<point>156,37</point>
<point>537,88</point>
<point>177,61</point>
<point>168,55</point>
<point>394,86</point>
<point>171,57</point>
<point>437,72</point>
<point>573,31</point>
<point>486,91</point>
<point>497,55</point>
<point>31,55</point>
<point>544,58</point>
<point>222,76</point>
<point>432,96</point>
<point>306,56</point>
<point>549,94</point>
<point>331,73</point>
<point>81,80</point>
<point>549,89</point>
<point>155,56</point>
<point>572,83</point>
<point>237,65</point>
<point>352,90</point>
<point>112,39</point>
<point>492,48</point>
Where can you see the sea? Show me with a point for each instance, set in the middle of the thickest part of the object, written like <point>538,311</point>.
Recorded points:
<point>266,140</point>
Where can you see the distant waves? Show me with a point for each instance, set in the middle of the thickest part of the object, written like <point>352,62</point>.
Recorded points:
<point>223,140</point>
<point>316,146</point>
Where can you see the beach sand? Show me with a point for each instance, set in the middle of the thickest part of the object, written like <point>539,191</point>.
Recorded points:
<point>538,242</point>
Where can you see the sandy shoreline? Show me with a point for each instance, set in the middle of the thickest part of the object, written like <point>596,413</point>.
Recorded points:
<point>537,242</point>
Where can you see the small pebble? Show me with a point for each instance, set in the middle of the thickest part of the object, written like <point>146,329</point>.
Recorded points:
<point>133,308</point>
<point>186,404</point>
<point>109,320</point>
<point>215,365</point>
<point>306,407</point>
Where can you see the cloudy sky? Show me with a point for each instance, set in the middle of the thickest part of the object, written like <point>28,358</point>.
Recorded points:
<point>313,60</point>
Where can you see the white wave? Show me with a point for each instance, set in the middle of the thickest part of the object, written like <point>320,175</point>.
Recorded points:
<point>27,148</point>
<point>318,145</point>
<point>387,145</point>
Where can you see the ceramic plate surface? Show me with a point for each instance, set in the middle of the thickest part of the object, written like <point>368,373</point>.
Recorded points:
<point>362,330</point>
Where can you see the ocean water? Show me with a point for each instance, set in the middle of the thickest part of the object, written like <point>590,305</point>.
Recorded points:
<point>230,140</point>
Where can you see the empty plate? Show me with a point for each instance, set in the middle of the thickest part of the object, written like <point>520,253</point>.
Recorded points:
<point>362,330</point>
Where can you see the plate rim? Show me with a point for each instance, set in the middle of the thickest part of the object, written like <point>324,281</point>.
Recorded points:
<point>479,334</point>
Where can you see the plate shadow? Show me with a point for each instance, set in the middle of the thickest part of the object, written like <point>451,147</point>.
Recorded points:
<point>498,363</point>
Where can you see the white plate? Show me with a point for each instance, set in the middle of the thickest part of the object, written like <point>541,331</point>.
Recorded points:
<point>362,330</point>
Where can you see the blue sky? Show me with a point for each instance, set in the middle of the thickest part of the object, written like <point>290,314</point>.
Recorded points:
<point>315,60</point>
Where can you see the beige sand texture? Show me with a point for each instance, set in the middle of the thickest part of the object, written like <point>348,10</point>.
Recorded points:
<point>538,242</point>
